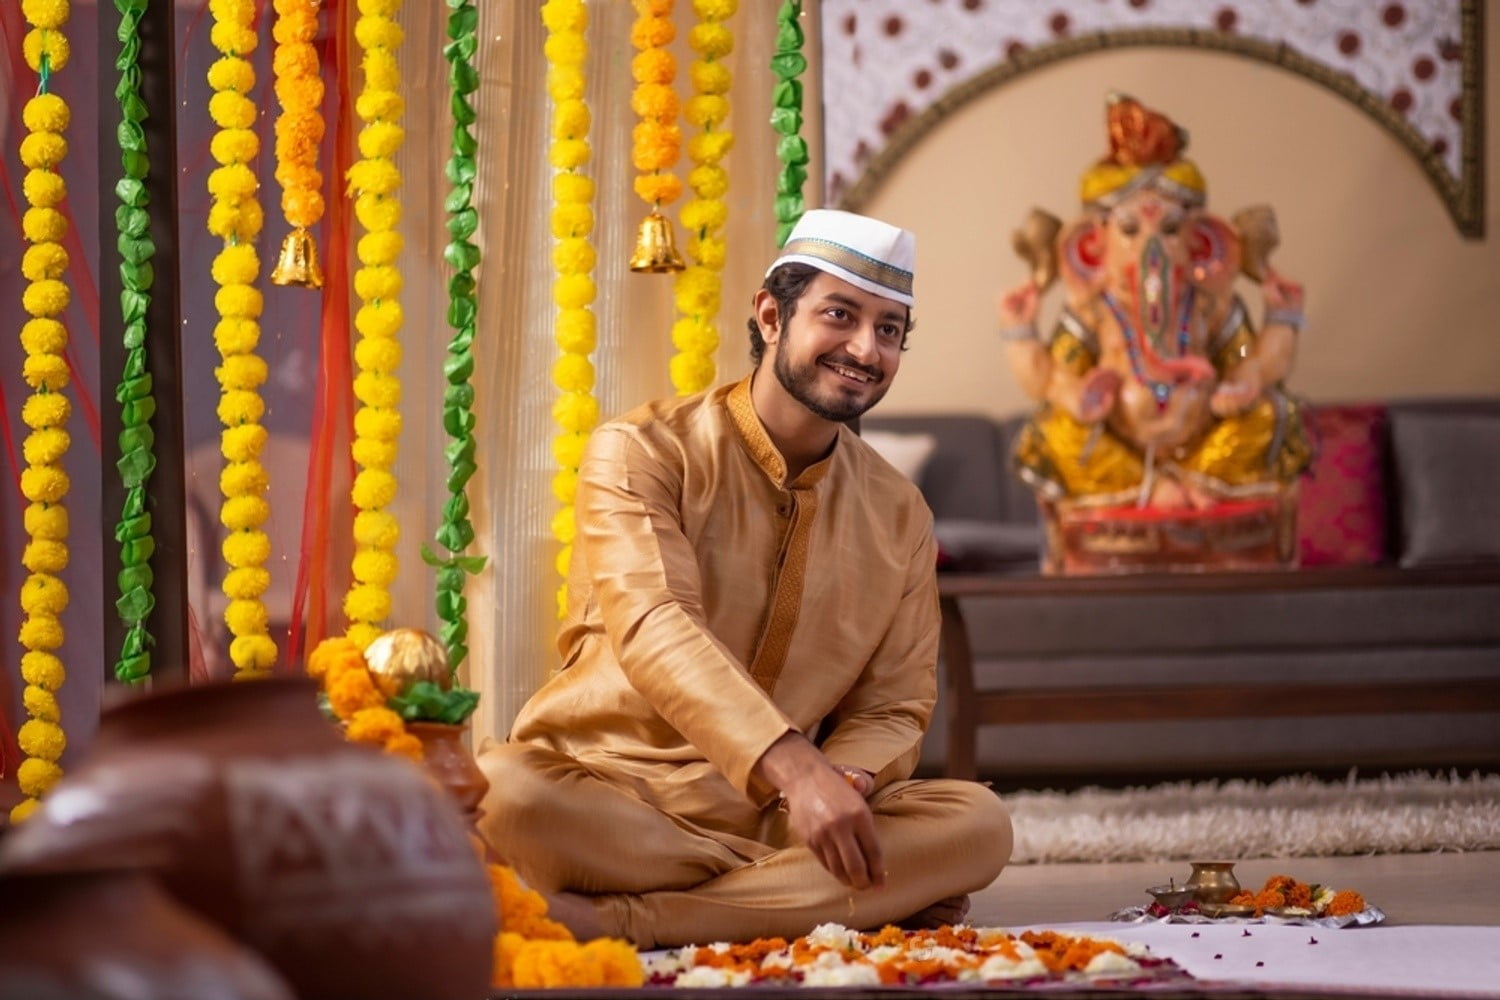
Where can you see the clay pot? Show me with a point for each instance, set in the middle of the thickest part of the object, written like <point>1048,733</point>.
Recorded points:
<point>344,867</point>
<point>451,764</point>
<point>117,935</point>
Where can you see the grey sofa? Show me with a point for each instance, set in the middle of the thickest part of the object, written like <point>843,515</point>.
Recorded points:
<point>1388,665</point>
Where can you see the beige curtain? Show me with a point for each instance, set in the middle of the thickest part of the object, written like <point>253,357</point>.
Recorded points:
<point>512,604</point>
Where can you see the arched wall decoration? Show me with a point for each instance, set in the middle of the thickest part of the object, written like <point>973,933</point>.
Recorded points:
<point>872,126</point>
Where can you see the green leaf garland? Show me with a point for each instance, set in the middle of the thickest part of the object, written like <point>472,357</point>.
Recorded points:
<point>456,532</point>
<point>788,63</point>
<point>134,393</point>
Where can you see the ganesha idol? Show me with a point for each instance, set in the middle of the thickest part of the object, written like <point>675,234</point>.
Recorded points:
<point>1164,438</point>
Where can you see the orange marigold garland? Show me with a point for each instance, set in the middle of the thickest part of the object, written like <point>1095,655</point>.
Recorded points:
<point>699,288</point>
<point>44,482</point>
<point>359,698</point>
<point>299,132</point>
<point>576,411</point>
<point>657,138</point>
<point>375,181</point>
<point>235,216</point>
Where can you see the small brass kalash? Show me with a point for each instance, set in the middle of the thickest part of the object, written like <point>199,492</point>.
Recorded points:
<point>298,263</point>
<point>655,248</point>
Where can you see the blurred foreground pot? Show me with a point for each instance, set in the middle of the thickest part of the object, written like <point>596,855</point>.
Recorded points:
<point>344,867</point>
<point>117,935</point>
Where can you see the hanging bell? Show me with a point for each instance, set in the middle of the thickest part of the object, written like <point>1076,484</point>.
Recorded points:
<point>655,250</point>
<point>298,263</point>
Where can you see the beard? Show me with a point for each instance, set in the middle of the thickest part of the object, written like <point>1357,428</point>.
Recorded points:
<point>801,383</point>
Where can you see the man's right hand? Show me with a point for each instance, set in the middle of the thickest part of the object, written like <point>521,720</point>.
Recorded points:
<point>825,811</point>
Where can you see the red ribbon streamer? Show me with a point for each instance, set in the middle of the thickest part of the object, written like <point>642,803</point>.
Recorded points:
<point>333,412</point>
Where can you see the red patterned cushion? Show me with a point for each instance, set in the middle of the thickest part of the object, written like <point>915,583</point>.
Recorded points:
<point>1341,513</point>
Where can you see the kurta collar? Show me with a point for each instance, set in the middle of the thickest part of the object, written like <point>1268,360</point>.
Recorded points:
<point>758,442</point>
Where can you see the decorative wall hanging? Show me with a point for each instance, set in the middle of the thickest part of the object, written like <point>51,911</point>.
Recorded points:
<point>893,69</point>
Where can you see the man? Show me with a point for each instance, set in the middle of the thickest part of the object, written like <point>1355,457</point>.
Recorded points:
<point>750,649</point>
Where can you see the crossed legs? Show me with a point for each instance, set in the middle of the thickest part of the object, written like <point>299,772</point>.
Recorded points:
<point>661,882</point>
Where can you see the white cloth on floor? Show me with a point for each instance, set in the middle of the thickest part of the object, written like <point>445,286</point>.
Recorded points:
<point>1433,960</point>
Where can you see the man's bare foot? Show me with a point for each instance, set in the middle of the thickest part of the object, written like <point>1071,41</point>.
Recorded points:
<point>576,913</point>
<point>945,911</point>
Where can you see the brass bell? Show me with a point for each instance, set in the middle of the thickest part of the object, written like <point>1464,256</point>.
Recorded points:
<point>655,249</point>
<point>298,263</point>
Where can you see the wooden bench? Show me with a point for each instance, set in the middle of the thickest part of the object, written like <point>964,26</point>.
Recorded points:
<point>969,707</point>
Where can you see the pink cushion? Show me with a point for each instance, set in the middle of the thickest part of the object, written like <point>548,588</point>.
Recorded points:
<point>1341,513</point>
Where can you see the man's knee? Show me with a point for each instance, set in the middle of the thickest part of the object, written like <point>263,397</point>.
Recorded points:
<point>966,822</point>
<point>521,788</point>
<point>988,829</point>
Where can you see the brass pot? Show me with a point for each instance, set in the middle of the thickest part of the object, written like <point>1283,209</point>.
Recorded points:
<point>1213,881</point>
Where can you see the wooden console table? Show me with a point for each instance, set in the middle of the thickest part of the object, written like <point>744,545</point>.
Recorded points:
<point>969,707</point>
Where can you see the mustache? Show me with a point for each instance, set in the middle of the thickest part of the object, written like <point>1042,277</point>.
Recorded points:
<point>844,361</point>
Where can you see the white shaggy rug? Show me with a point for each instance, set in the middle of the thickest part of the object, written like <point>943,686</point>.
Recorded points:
<point>1290,817</point>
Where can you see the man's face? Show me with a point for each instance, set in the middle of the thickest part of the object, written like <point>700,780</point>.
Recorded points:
<point>840,350</point>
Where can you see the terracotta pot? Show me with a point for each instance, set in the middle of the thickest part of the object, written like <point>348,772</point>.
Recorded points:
<point>451,764</point>
<point>117,935</point>
<point>345,867</point>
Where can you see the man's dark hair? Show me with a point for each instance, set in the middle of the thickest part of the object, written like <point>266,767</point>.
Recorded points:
<point>787,284</point>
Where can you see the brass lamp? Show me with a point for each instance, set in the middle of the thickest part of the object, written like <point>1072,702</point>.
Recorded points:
<point>655,248</point>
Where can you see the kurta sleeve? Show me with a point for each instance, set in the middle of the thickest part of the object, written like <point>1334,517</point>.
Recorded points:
<point>879,724</point>
<point>645,577</point>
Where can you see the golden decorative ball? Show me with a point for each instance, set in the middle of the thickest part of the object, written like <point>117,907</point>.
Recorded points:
<point>408,655</point>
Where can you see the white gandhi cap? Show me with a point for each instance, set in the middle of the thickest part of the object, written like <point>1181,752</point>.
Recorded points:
<point>869,254</point>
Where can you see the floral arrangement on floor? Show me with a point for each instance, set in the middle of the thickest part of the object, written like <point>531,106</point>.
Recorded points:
<point>403,676</point>
<point>833,955</point>
<point>1283,895</point>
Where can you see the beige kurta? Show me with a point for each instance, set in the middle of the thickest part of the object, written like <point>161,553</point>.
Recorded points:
<point>714,606</point>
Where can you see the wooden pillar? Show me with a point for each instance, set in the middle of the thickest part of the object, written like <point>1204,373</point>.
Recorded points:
<point>168,623</point>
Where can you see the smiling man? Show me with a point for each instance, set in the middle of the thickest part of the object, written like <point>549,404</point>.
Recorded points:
<point>750,647</point>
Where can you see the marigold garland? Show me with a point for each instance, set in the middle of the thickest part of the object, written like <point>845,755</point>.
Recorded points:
<point>134,392</point>
<point>657,137</point>
<point>788,63</point>
<point>299,127</point>
<point>699,288</point>
<point>374,182</point>
<point>235,216</point>
<point>456,531</point>
<point>45,411</point>
<point>44,482</point>
<point>575,411</point>
<point>532,951</point>
<point>360,698</point>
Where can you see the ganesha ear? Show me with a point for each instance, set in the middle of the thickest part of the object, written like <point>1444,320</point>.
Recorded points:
<point>1213,253</point>
<point>1081,254</point>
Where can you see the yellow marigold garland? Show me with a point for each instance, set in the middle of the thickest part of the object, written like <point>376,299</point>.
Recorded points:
<point>360,698</point>
<point>533,951</point>
<point>699,288</point>
<point>44,481</point>
<point>374,182</point>
<point>299,129</point>
<point>576,411</point>
<point>235,216</point>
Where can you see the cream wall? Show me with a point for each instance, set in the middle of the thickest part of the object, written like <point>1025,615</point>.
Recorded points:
<point>1399,304</point>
